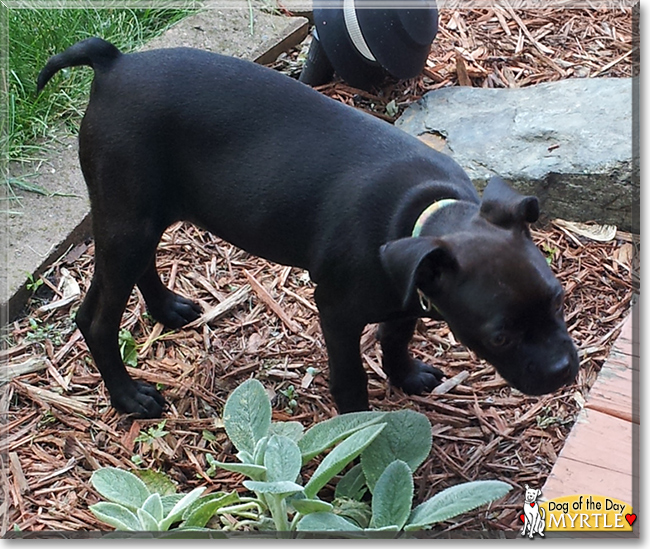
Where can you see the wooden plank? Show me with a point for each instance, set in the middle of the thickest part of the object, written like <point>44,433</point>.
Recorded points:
<point>597,458</point>
<point>612,393</point>
<point>624,344</point>
<point>601,440</point>
<point>295,32</point>
<point>624,358</point>
<point>571,477</point>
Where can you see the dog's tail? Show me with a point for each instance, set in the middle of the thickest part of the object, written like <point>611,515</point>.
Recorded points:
<point>92,52</point>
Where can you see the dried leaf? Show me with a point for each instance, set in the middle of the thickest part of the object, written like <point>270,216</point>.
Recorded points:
<point>599,233</point>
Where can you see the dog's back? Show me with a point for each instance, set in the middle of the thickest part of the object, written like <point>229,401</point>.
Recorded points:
<point>171,118</point>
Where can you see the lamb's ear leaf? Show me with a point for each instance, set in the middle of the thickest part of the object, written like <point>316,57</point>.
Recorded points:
<point>120,486</point>
<point>392,496</point>
<point>340,456</point>
<point>454,501</point>
<point>326,522</point>
<point>408,261</point>
<point>116,515</point>
<point>282,459</point>
<point>247,415</point>
<point>406,437</point>
<point>325,434</point>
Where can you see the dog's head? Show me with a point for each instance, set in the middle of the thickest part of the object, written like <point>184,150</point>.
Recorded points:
<point>494,288</point>
<point>531,494</point>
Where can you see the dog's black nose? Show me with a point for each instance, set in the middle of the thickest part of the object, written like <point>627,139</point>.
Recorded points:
<point>564,369</point>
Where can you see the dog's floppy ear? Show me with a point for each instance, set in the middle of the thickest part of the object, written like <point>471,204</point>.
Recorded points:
<point>505,207</point>
<point>417,263</point>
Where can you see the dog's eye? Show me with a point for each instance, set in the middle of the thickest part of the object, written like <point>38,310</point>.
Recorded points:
<point>558,303</point>
<point>499,340</point>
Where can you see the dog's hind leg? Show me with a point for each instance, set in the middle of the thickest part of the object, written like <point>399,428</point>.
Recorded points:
<point>121,257</point>
<point>165,306</point>
<point>411,375</point>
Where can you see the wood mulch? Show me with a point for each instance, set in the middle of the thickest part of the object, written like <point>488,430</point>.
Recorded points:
<point>502,47</point>
<point>57,426</point>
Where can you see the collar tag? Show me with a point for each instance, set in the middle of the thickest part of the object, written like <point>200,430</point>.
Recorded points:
<point>426,303</point>
<point>426,214</point>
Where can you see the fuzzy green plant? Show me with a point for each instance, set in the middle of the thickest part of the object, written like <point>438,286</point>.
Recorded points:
<point>132,505</point>
<point>390,446</point>
<point>374,495</point>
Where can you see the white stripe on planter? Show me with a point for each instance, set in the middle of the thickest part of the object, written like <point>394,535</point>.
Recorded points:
<point>354,30</point>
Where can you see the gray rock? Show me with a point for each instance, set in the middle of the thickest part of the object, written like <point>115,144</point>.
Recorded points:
<point>567,142</point>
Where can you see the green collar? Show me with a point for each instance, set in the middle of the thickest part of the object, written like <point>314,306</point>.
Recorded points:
<point>426,214</point>
<point>425,302</point>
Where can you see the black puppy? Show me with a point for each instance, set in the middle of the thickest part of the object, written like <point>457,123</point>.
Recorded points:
<point>389,229</point>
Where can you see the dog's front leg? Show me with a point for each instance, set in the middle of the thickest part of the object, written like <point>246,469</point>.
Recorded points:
<point>411,375</point>
<point>347,379</point>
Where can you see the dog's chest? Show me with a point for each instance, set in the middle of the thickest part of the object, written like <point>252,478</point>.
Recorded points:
<point>530,508</point>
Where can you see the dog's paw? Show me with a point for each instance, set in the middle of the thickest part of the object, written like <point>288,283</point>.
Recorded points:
<point>141,400</point>
<point>176,311</point>
<point>421,378</point>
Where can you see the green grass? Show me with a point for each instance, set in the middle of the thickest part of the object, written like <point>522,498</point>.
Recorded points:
<point>32,121</point>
